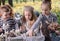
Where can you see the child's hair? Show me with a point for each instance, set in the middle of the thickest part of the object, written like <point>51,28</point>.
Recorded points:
<point>48,2</point>
<point>0,12</point>
<point>31,9</point>
<point>8,9</point>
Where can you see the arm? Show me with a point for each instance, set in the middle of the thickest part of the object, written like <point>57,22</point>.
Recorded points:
<point>54,18</point>
<point>54,23</point>
<point>37,23</point>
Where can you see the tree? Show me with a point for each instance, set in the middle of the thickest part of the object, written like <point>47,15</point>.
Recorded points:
<point>2,1</point>
<point>24,0</point>
<point>33,0</point>
<point>16,1</point>
<point>10,2</point>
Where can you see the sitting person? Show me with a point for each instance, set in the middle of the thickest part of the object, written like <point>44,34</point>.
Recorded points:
<point>44,17</point>
<point>28,19</point>
<point>7,18</point>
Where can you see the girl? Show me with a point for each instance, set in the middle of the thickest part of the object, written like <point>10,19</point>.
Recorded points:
<point>7,18</point>
<point>45,18</point>
<point>28,19</point>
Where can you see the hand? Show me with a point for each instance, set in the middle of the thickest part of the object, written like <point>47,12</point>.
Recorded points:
<point>57,32</point>
<point>47,22</point>
<point>55,25</point>
<point>30,33</point>
<point>51,27</point>
<point>22,28</point>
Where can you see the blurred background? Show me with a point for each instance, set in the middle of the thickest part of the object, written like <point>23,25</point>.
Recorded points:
<point>18,5</point>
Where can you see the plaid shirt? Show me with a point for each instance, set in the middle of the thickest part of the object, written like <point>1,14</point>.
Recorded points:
<point>42,19</point>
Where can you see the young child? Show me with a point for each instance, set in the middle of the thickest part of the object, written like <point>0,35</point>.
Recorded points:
<point>46,17</point>
<point>28,19</point>
<point>7,18</point>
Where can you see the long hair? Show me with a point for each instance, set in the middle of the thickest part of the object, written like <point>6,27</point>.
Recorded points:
<point>31,9</point>
<point>8,9</point>
<point>46,0</point>
<point>0,12</point>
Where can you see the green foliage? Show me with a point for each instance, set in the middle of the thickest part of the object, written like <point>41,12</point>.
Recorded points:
<point>18,7</point>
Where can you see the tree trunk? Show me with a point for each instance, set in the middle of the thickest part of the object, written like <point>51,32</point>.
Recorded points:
<point>25,1</point>
<point>10,2</point>
<point>2,1</point>
<point>16,1</point>
<point>33,0</point>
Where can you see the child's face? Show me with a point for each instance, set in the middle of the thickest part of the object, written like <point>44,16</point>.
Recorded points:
<point>4,15</point>
<point>27,15</point>
<point>45,9</point>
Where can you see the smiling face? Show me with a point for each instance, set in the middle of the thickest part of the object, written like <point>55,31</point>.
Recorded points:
<point>27,15</point>
<point>45,9</point>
